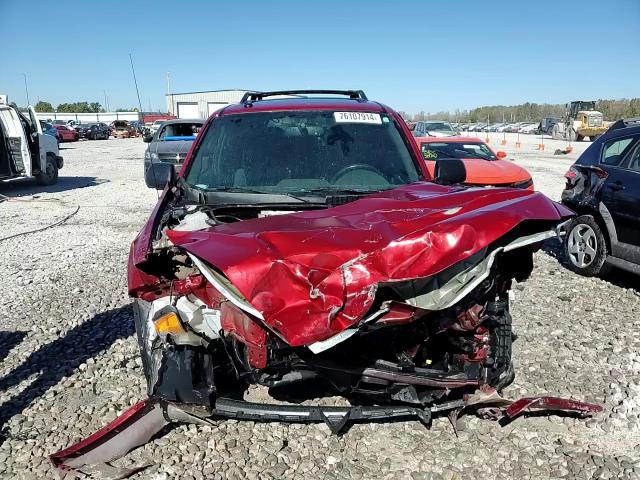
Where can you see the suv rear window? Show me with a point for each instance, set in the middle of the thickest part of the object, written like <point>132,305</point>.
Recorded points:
<point>615,150</point>
<point>287,152</point>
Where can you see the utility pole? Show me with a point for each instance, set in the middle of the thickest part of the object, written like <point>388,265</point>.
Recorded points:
<point>169,90</point>
<point>26,88</point>
<point>136,83</point>
<point>106,100</point>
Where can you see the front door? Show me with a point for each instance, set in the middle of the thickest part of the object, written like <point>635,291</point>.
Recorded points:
<point>621,194</point>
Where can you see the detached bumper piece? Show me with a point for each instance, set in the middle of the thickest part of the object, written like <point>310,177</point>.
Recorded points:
<point>90,457</point>
<point>336,418</point>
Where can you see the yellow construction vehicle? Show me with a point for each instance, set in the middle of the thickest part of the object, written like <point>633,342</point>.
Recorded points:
<point>581,120</point>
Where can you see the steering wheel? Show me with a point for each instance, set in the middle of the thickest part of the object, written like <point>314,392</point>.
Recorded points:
<point>356,166</point>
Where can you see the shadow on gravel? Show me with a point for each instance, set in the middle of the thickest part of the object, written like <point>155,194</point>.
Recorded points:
<point>619,278</point>
<point>60,358</point>
<point>27,186</point>
<point>8,340</point>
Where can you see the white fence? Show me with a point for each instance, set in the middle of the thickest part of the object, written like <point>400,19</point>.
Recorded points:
<point>105,117</point>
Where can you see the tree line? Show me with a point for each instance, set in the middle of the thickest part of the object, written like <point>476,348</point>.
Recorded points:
<point>76,107</point>
<point>532,112</point>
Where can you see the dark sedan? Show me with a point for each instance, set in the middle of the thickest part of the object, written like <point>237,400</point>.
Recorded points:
<point>171,143</point>
<point>94,131</point>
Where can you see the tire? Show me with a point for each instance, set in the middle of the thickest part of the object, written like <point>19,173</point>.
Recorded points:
<point>50,175</point>
<point>585,247</point>
<point>594,137</point>
<point>579,138</point>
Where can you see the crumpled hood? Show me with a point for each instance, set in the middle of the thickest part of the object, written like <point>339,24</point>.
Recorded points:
<point>313,274</point>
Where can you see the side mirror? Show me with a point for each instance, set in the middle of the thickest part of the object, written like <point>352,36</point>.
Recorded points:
<point>450,172</point>
<point>500,155</point>
<point>147,138</point>
<point>159,175</point>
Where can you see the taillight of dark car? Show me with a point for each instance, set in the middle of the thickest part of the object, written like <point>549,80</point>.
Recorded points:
<point>571,175</point>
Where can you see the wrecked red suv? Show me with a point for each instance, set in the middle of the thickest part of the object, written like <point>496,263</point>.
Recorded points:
<point>303,240</point>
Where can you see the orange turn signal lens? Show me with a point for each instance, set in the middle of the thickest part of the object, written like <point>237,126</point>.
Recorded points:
<point>169,323</point>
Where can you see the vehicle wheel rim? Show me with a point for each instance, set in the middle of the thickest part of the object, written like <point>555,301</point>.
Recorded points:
<point>582,245</point>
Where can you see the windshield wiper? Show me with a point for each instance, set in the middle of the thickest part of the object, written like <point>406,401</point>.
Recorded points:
<point>339,190</point>
<point>250,190</point>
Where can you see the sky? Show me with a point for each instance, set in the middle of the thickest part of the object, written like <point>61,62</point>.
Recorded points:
<point>413,56</point>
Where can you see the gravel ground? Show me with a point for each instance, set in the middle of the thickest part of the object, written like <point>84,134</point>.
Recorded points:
<point>69,362</point>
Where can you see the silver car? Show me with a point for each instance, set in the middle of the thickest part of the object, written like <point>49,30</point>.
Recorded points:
<point>171,142</point>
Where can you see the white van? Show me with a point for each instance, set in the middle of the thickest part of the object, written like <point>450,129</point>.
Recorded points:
<point>24,150</point>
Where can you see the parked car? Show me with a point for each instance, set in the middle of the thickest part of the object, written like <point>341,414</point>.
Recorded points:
<point>48,129</point>
<point>545,127</point>
<point>96,131</point>
<point>171,143</point>
<point>80,128</point>
<point>434,128</point>
<point>138,126</point>
<point>156,125</point>
<point>514,127</point>
<point>484,166</point>
<point>122,129</point>
<point>24,150</point>
<point>67,134</point>
<point>528,128</point>
<point>603,188</point>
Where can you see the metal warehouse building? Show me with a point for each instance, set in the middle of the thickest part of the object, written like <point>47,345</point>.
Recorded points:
<point>201,104</point>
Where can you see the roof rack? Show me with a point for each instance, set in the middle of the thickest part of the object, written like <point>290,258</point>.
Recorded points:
<point>625,122</point>
<point>254,96</point>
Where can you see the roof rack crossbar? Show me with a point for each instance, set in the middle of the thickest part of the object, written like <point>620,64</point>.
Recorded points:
<point>254,96</point>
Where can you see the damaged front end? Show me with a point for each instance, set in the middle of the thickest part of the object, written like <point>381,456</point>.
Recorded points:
<point>407,304</point>
<point>398,301</point>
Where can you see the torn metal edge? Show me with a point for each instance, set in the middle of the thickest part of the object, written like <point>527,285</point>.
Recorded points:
<point>475,276</point>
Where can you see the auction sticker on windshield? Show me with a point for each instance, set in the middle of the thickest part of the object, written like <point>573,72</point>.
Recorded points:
<point>357,117</point>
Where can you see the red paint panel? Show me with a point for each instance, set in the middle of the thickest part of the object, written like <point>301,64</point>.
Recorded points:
<point>104,434</point>
<point>551,403</point>
<point>234,322</point>
<point>313,274</point>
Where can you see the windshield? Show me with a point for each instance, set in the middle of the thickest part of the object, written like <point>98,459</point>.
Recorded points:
<point>438,127</point>
<point>446,150</point>
<point>186,131</point>
<point>288,152</point>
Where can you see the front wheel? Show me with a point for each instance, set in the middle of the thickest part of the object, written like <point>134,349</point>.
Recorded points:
<point>585,247</point>
<point>50,175</point>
